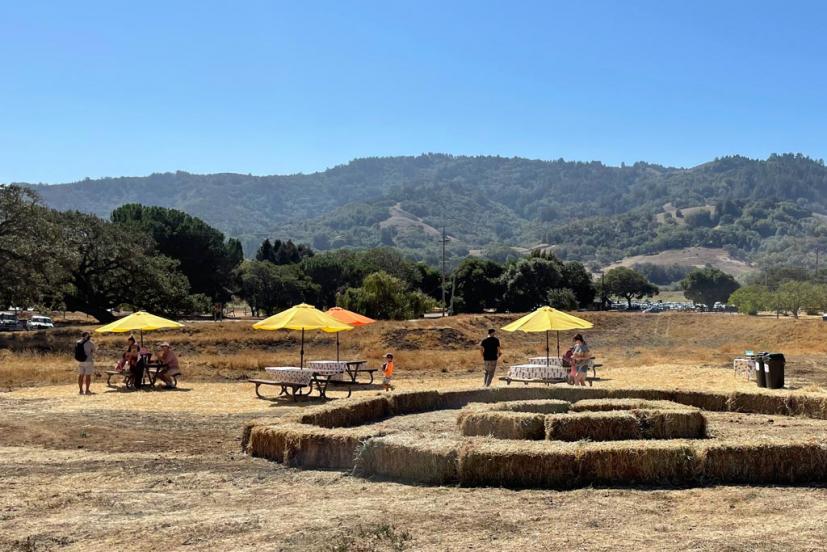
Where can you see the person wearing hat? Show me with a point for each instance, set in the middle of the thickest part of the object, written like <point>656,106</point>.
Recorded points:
<point>85,355</point>
<point>169,365</point>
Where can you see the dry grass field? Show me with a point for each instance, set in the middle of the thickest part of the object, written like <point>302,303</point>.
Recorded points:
<point>156,470</point>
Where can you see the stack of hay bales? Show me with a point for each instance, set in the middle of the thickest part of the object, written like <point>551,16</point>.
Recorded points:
<point>331,437</point>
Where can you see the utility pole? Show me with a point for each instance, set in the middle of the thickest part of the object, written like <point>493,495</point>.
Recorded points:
<point>444,241</point>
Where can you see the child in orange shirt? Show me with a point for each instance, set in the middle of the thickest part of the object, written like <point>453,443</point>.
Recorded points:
<point>387,372</point>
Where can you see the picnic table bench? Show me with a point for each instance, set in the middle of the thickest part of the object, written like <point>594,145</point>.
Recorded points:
<point>287,388</point>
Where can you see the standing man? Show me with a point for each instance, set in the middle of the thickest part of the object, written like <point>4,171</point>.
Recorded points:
<point>85,355</point>
<point>491,351</point>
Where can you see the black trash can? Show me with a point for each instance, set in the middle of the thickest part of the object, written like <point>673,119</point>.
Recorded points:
<point>760,375</point>
<point>775,370</point>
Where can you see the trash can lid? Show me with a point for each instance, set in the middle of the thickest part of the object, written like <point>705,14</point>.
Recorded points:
<point>775,356</point>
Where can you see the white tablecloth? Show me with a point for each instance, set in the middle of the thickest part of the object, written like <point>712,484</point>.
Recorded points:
<point>536,371</point>
<point>333,368</point>
<point>550,361</point>
<point>291,374</point>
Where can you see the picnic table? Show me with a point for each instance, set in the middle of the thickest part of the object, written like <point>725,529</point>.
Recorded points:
<point>527,372</point>
<point>341,369</point>
<point>149,376</point>
<point>320,377</point>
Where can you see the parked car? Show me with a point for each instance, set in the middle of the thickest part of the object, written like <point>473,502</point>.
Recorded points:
<point>654,309</point>
<point>39,322</point>
<point>9,322</point>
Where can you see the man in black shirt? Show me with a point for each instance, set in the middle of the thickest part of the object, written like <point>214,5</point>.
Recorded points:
<point>491,351</point>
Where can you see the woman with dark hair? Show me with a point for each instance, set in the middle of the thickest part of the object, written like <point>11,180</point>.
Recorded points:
<point>133,364</point>
<point>581,358</point>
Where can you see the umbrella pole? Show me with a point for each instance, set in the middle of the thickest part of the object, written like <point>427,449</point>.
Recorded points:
<point>301,352</point>
<point>142,338</point>
<point>558,343</point>
<point>548,354</point>
<point>337,346</point>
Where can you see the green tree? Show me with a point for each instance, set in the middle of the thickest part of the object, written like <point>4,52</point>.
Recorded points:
<point>708,286</point>
<point>383,296</point>
<point>628,284</point>
<point>478,285</point>
<point>751,299</point>
<point>32,256</point>
<point>268,287</point>
<point>528,281</point>
<point>563,299</point>
<point>203,255</point>
<point>577,279</point>
<point>796,296</point>
<point>112,265</point>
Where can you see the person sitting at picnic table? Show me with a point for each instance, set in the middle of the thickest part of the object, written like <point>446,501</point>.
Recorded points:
<point>131,359</point>
<point>168,368</point>
<point>581,357</point>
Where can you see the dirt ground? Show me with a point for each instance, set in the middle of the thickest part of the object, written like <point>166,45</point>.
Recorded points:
<point>162,470</point>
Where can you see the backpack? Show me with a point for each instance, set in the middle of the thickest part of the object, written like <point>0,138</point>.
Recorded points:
<point>80,350</point>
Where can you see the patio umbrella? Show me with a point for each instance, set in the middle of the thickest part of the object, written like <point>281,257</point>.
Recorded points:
<point>546,319</point>
<point>302,317</point>
<point>140,321</point>
<point>348,317</point>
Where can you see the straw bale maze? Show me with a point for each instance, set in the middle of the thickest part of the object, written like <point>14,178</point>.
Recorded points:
<point>557,437</point>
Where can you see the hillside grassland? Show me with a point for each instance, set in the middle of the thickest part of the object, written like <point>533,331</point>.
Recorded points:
<point>163,469</point>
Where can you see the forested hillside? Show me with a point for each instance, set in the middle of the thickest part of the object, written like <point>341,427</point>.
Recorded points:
<point>759,209</point>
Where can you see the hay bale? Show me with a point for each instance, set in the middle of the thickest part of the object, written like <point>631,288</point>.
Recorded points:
<point>597,426</point>
<point>573,394</point>
<point>413,402</point>
<point>547,406</point>
<point>605,405</point>
<point>307,446</point>
<point>765,462</point>
<point>410,458</point>
<point>759,403</point>
<point>812,406</point>
<point>528,464</point>
<point>640,393</point>
<point>671,424</point>
<point>248,428</point>
<point>641,462</point>
<point>502,425</point>
<point>706,400</point>
<point>521,393</point>
<point>348,413</point>
<point>449,400</point>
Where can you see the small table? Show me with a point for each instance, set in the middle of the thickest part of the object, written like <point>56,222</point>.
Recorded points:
<point>744,366</point>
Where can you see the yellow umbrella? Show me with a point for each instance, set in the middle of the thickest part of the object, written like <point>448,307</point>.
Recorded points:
<point>140,321</point>
<point>302,317</point>
<point>546,319</point>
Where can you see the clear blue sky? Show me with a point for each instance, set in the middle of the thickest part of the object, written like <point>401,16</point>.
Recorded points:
<point>129,88</point>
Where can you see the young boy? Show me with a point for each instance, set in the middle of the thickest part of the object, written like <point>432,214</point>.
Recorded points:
<point>387,372</point>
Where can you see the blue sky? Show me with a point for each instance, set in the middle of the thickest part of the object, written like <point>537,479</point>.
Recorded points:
<point>93,89</point>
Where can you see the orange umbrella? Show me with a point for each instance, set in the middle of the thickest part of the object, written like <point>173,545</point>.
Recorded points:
<point>350,318</point>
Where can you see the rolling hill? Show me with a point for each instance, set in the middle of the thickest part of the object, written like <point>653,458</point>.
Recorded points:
<point>768,210</point>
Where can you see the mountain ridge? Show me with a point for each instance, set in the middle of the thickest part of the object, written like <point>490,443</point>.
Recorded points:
<point>488,202</point>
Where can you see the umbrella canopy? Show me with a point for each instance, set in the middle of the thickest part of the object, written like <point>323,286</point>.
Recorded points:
<point>302,317</point>
<point>348,317</point>
<point>139,321</point>
<point>546,319</point>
